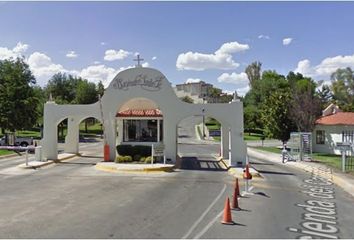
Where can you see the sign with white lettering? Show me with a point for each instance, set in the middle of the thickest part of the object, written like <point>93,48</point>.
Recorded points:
<point>142,80</point>
<point>158,149</point>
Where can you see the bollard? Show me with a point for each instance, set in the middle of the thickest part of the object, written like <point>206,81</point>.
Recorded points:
<point>106,153</point>
<point>26,158</point>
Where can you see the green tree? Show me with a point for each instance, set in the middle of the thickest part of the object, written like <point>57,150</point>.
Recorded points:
<point>254,73</point>
<point>343,88</point>
<point>325,95</point>
<point>275,115</point>
<point>100,88</point>
<point>86,92</point>
<point>187,99</point>
<point>63,88</point>
<point>305,105</point>
<point>18,108</point>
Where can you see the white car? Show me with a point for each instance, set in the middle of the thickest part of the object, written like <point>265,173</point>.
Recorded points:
<point>21,141</point>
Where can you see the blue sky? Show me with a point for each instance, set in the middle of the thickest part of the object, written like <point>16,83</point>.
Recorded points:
<point>211,41</point>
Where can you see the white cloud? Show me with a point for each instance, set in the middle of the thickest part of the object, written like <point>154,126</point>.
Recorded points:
<point>238,79</point>
<point>287,41</point>
<point>103,43</point>
<point>242,91</point>
<point>145,64</point>
<point>193,80</point>
<point>111,54</point>
<point>263,37</point>
<point>96,62</point>
<point>98,73</point>
<point>43,68</point>
<point>72,54</point>
<point>327,66</point>
<point>234,78</point>
<point>17,51</point>
<point>221,59</point>
<point>154,58</point>
<point>232,47</point>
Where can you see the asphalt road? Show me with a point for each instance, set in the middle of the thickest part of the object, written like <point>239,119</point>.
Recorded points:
<point>74,200</point>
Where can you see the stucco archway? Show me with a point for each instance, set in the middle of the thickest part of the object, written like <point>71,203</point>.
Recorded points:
<point>147,83</point>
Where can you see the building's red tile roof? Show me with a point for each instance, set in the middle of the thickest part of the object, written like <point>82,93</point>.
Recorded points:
<point>340,118</point>
<point>140,113</point>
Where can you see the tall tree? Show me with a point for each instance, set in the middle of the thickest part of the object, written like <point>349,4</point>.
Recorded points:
<point>100,88</point>
<point>253,72</point>
<point>343,88</point>
<point>63,88</point>
<point>86,92</point>
<point>275,115</point>
<point>18,108</point>
<point>305,105</point>
<point>325,95</point>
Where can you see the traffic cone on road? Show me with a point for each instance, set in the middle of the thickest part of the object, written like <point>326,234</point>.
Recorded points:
<point>227,219</point>
<point>247,174</point>
<point>235,200</point>
<point>237,188</point>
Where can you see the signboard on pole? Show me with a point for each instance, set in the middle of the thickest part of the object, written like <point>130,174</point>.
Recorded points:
<point>158,149</point>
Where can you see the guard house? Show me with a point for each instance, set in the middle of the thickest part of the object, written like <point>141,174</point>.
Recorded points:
<point>140,106</point>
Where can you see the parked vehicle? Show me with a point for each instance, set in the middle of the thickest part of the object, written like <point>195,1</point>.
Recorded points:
<point>19,141</point>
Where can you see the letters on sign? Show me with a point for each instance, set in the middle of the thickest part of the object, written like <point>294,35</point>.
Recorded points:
<point>142,80</point>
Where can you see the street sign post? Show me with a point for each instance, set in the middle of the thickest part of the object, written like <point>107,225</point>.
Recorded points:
<point>343,147</point>
<point>158,150</point>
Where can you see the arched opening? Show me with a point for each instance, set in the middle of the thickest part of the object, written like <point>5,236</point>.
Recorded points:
<point>90,137</point>
<point>62,131</point>
<point>199,143</point>
<point>139,122</point>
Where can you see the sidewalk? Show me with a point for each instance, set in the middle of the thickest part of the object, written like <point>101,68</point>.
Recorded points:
<point>345,181</point>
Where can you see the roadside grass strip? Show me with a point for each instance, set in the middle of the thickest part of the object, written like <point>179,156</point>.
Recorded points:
<point>320,217</point>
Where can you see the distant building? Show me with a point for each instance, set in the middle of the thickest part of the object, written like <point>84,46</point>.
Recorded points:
<point>199,89</point>
<point>334,126</point>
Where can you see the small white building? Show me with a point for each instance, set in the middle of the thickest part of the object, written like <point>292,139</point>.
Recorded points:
<point>334,126</point>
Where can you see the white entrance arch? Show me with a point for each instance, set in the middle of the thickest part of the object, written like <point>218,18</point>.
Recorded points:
<point>147,83</point>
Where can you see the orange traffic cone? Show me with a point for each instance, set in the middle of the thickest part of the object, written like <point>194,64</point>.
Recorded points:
<point>237,188</point>
<point>227,219</point>
<point>247,174</point>
<point>235,200</point>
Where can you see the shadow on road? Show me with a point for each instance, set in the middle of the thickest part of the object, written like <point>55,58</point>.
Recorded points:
<point>277,173</point>
<point>258,163</point>
<point>193,163</point>
<point>77,163</point>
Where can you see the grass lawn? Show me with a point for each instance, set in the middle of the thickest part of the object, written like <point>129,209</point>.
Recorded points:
<point>331,160</point>
<point>269,149</point>
<point>252,137</point>
<point>92,129</point>
<point>5,152</point>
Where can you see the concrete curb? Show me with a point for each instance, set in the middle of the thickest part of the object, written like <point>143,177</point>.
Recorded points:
<point>9,156</point>
<point>39,164</point>
<point>339,180</point>
<point>116,169</point>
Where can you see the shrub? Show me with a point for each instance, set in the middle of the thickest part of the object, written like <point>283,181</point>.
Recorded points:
<point>128,159</point>
<point>148,159</point>
<point>129,150</point>
<point>142,159</point>
<point>124,150</point>
<point>123,159</point>
<point>136,158</point>
<point>119,159</point>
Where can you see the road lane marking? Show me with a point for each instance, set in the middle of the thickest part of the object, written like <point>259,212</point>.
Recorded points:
<point>204,213</point>
<point>208,226</point>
